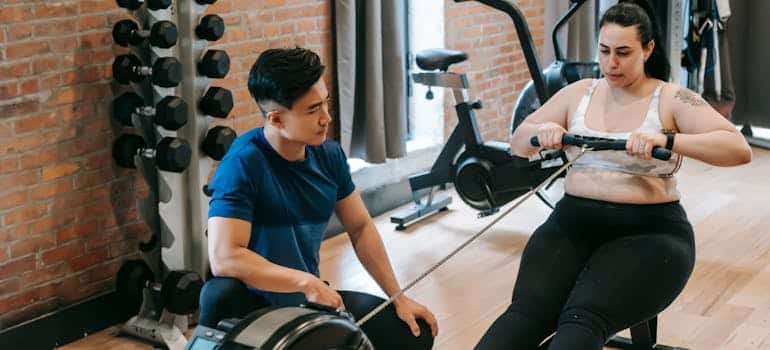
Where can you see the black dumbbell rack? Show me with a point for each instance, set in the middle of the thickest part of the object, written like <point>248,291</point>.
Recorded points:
<point>177,208</point>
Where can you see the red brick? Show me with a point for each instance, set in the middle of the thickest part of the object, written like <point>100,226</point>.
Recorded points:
<point>12,233</point>
<point>55,28</point>
<point>60,170</point>
<point>88,6</point>
<point>24,214</point>
<point>15,14</point>
<point>15,70</point>
<point>92,22</point>
<point>3,254</point>
<point>45,274</point>
<point>30,87</point>
<point>56,9</point>
<point>10,200</point>
<point>28,297</point>
<point>52,222</point>
<point>31,245</point>
<point>19,31</point>
<point>76,231</point>
<point>66,95</point>
<point>66,45</point>
<point>36,123</point>
<point>90,259</point>
<point>9,286</point>
<point>26,49</point>
<point>62,253</point>
<point>95,40</point>
<point>49,190</point>
<point>16,267</point>
<point>8,90</point>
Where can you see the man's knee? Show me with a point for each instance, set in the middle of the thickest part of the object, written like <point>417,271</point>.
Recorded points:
<point>216,298</point>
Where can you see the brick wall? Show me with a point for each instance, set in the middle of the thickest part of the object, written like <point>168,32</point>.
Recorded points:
<point>495,67</point>
<point>68,215</point>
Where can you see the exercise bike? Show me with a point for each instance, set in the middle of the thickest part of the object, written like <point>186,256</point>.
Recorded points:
<point>486,176</point>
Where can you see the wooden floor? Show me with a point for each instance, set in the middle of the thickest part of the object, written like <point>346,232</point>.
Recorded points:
<point>726,304</point>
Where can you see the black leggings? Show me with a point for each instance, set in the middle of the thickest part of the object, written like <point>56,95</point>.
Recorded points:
<point>223,298</point>
<point>593,269</point>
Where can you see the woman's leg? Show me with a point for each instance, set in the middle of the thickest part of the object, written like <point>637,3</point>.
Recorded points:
<point>223,298</point>
<point>626,281</point>
<point>385,330</point>
<point>550,264</point>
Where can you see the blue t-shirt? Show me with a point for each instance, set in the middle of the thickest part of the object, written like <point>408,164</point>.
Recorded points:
<point>288,203</point>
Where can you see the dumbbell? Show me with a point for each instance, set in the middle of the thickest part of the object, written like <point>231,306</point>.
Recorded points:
<point>170,112</point>
<point>151,4</point>
<point>171,154</point>
<point>211,28</point>
<point>217,141</point>
<point>216,102</point>
<point>215,64</point>
<point>205,2</point>
<point>163,34</point>
<point>179,291</point>
<point>166,72</point>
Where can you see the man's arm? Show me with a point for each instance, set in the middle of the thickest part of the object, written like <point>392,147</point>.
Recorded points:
<point>371,252</point>
<point>229,255</point>
<point>367,242</point>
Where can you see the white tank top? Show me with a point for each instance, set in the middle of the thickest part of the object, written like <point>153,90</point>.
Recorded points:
<point>619,160</point>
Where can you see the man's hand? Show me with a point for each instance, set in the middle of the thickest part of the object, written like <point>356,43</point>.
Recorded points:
<point>317,291</point>
<point>409,311</point>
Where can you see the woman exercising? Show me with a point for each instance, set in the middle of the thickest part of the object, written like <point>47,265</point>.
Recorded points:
<point>618,248</point>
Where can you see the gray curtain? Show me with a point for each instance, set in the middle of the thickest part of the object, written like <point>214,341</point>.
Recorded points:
<point>749,57</point>
<point>371,77</point>
<point>578,38</point>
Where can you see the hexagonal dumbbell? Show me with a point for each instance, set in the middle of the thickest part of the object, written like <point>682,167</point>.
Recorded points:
<point>166,72</point>
<point>205,2</point>
<point>217,141</point>
<point>180,291</point>
<point>170,112</point>
<point>216,102</point>
<point>163,34</point>
<point>215,64</point>
<point>171,154</point>
<point>151,4</point>
<point>210,28</point>
<point>130,281</point>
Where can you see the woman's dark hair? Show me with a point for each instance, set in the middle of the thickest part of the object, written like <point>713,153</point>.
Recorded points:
<point>639,13</point>
<point>283,75</point>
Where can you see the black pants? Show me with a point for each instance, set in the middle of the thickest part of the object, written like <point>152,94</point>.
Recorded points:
<point>227,298</point>
<point>593,269</point>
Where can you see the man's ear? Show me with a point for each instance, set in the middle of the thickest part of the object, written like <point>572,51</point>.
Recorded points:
<point>274,118</point>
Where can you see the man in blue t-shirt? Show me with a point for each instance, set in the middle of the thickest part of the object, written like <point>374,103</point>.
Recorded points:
<point>272,197</point>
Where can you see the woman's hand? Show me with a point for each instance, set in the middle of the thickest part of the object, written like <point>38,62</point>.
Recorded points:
<point>549,135</point>
<point>640,144</point>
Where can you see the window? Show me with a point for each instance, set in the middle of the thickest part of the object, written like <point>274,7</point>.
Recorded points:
<point>425,30</point>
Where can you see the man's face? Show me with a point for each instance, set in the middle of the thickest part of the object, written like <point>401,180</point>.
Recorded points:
<point>308,120</point>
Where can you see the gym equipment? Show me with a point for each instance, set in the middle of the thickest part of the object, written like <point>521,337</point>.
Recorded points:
<point>311,327</point>
<point>170,112</point>
<point>215,64</point>
<point>210,28</point>
<point>485,175</point>
<point>166,72</point>
<point>161,316</point>
<point>171,154</point>
<point>163,34</point>
<point>205,2</point>
<point>151,4</point>
<point>217,141</point>
<point>216,102</point>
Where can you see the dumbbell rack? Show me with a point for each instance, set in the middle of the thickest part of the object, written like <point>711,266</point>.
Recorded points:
<point>177,208</point>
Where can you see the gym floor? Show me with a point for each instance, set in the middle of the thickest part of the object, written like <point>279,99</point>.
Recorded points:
<point>724,306</point>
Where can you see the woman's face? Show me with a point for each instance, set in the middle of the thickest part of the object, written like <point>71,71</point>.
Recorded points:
<point>621,54</point>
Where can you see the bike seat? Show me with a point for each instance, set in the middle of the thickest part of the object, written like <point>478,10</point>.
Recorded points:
<point>432,59</point>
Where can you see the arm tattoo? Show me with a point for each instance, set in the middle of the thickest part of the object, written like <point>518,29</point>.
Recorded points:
<point>689,97</point>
